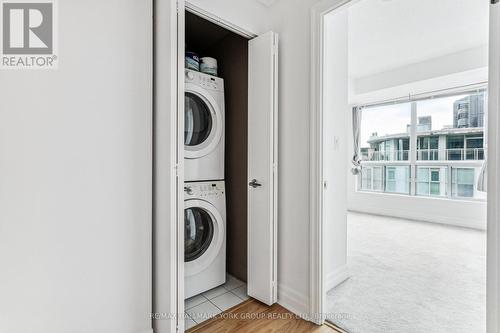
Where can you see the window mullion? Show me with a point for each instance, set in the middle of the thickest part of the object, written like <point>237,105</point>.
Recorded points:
<point>413,148</point>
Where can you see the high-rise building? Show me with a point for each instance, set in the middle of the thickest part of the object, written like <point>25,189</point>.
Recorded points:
<point>469,111</point>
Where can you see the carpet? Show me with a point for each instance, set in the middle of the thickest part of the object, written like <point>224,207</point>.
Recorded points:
<point>409,277</point>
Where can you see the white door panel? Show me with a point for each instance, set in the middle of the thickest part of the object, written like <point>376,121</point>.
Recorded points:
<point>262,158</point>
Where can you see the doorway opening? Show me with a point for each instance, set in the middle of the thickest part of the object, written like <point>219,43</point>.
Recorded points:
<point>403,156</point>
<point>229,166</point>
<point>215,169</point>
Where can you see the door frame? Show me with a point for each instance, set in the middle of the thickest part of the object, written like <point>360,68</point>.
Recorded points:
<point>168,298</point>
<point>317,225</point>
<point>317,292</point>
<point>493,232</point>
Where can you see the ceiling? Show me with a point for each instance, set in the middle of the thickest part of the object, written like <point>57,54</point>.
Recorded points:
<point>389,34</point>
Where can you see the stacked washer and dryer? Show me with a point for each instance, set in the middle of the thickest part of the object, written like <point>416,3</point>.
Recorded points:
<point>205,198</point>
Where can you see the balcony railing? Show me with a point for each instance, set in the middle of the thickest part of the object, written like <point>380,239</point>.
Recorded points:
<point>471,154</point>
<point>459,154</point>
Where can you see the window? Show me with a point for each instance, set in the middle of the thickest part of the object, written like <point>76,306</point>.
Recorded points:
<point>378,183</point>
<point>372,179</point>
<point>366,178</point>
<point>446,153</point>
<point>455,147</point>
<point>475,149</point>
<point>397,179</point>
<point>431,181</point>
<point>463,182</point>
<point>428,148</point>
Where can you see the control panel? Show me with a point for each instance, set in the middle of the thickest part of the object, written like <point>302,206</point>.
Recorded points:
<point>204,189</point>
<point>204,80</point>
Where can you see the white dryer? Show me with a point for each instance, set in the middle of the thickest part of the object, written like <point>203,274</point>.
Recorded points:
<point>203,127</point>
<point>204,236</point>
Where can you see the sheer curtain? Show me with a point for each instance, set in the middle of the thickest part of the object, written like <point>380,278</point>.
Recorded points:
<point>356,132</point>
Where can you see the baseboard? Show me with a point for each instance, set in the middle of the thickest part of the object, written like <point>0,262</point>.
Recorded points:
<point>336,277</point>
<point>292,300</point>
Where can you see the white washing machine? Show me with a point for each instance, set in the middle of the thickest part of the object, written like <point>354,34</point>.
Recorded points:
<point>203,127</point>
<point>204,236</point>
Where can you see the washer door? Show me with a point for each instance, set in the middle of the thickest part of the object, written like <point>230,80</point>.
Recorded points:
<point>203,235</point>
<point>203,122</point>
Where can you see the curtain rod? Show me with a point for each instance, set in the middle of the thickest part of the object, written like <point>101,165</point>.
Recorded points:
<point>442,93</point>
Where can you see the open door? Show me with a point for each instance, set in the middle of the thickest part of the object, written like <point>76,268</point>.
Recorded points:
<point>262,167</point>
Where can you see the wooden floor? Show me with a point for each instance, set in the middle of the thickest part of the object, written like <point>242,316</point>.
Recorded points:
<point>255,317</point>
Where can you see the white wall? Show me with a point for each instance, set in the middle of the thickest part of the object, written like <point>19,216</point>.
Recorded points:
<point>75,175</point>
<point>292,22</point>
<point>459,69</point>
<point>462,61</point>
<point>469,214</point>
<point>335,146</point>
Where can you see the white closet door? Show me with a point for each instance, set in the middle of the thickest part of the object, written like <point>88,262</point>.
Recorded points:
<point>262,167</point>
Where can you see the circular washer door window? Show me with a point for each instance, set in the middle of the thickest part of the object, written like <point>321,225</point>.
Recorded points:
<point>197,119</point>
<point>202,122</point>
<point>204,234</point>
<point>198,232</point>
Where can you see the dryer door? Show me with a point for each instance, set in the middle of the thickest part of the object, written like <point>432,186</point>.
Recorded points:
<point>203,235</point>
<point>203,122</point>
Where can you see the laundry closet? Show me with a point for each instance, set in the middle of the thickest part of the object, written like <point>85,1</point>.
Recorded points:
<point>230,166</point>
<point>225,123</point>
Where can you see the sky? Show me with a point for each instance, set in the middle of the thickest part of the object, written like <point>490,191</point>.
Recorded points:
<point>393,119</point>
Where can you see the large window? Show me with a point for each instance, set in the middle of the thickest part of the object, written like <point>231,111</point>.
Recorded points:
<point>437,154</point>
